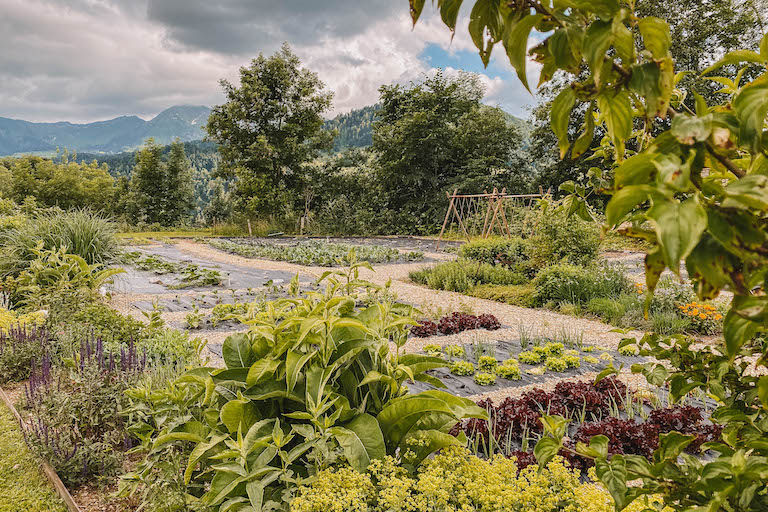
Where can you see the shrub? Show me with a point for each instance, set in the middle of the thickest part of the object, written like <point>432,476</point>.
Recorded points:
<point>449,482</point>
<point>669,322</point>
<point>504,251</point>
<point>462,368</point>
<point>609,310</point>
<point>704,318</point>
<point>509,371</point>
<point>462,275</point>
<point>487,363</point>
<point>10,319</point>
<point>20,347</point>
<point>98,318</point>
<point>485,379</point>
<point>90,236</point>
<point>579,285</point>
<point>558,237</point>
<point>556,364</point>
<point>516,295</point>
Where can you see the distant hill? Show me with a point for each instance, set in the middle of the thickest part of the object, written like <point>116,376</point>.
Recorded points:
<point>123,133</point>
<point>356,127</point>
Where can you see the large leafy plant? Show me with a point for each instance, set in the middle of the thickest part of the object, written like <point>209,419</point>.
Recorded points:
<point>314,381</point>
<point>693,182</point>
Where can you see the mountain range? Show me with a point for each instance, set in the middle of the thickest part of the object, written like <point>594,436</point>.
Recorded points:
<point>123,133</point>
<point>186,122</point>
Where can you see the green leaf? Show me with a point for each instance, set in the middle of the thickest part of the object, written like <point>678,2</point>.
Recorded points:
<point>737,330</point>
<point>597,41</point>
<point>485,26</point>
<point>736,57</point>
<point>748,192</point>
<point>561,113</point>
<point>417,6</point>
<point>626,200</point>
<point>237,414</point>
<point>613,474</point>
<point>449,12</point>
<point>616,110</point>
<point>362,441</point>
<point>236,351</point>
<point>762,391</point>
<point>584,141</point>
<point>598,447</point>
<point>545,450</point>
<point>656,36</point>
<point>679,227</point>
<point>689,129</point>
<point>710,267</point>
<point>671,445</point>
<point>260,370</point>
<point>429,442</point>
<point>751,107</point>
<point>752,307</point>
<point>294,362</point>
<point>515,39</point>
<point>636,170</point>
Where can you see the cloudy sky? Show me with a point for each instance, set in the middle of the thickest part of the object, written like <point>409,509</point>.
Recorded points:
<point>88,60</point>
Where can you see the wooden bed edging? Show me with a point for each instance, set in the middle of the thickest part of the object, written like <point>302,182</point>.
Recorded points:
<point>50,474</point>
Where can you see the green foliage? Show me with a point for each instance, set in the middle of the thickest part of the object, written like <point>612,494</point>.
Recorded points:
<point>435,136</point>
<point>463,368</point>
<point>506,251</point>
<point>23,486</point>
<point>516,295</point>
<point>105,323</point>
<point>611,310</point>
<point>312,383</point>
<point>270,124</point>
<point>487,363</point>
<point>509,371</point>
<point>715,221</point>
<point>578,285</point>
<point>448,482</point>
<point>325,254</point>
<point>530,357</point>
<point>463,275</point>
<point>84,234</point>
<point>160,188</point>
<point>64,183</point>
<point>485,379</point>
<point>57,272</point>
<point>556,364</point>
<point>455,351</point>
<point>20,348</point>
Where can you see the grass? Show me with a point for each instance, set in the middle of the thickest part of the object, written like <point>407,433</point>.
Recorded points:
<point>173,233</point>
<point>23,487</point>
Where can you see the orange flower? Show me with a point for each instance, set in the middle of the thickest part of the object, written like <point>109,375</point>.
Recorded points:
<point>718,317</point>
<point>703,316</point>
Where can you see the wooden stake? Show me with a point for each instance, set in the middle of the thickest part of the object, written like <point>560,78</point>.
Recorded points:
<point>250,231</point>
<point>447,214</point>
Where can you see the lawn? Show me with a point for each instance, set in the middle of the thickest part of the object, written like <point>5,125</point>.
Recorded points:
<point>23,487</point>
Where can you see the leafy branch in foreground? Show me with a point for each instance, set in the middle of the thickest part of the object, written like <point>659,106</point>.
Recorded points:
<point>694,184</point>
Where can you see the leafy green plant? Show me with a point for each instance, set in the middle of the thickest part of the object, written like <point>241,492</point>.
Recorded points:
<point>530,357</point>
<point>516,295</point>
<point>556,364</point>
<point>487,363</point>
<point>578,285</point>
<point>485,379</point>
<point>194,319</point>
<point>55,272</point>
<point>455,351</point>
<point>324,254</point>
<point>509,371</point>
<point>20,347</point>
<point>463,368</point>
<point>90,236</point>
<point>311,383</point>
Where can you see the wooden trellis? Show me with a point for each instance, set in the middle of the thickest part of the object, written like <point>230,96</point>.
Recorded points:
<point>469,209</point>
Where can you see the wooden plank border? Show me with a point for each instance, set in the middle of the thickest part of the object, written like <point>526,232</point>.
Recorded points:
<point>48,471</point>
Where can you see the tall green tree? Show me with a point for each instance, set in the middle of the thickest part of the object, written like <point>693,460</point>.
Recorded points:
<point>179,190</point>
<point>161,188</point>
<point>269,128</point>
<point>435,136</point>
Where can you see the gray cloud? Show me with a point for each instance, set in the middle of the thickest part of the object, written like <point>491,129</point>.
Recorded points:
<point>84,60</point>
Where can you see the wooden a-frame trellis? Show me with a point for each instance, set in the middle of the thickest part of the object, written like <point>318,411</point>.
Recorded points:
<point>465,206</point>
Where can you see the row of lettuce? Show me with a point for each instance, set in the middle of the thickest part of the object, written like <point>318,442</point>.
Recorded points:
<point>310,412</point>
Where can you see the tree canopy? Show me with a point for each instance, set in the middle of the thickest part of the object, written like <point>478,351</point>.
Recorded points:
<point>270,126</point>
